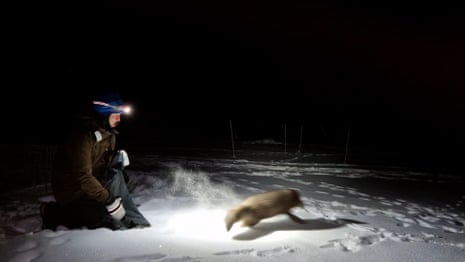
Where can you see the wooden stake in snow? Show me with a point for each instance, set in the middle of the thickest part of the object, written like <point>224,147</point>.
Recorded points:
<point>285,135</point>
<point>232,138</point>
<point>347,145</point>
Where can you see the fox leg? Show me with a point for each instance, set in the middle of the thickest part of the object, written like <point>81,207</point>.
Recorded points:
<point>249,220</point>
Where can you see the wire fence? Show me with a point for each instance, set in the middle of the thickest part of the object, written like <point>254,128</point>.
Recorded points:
<point>25,165</point>
<point>28,165</point>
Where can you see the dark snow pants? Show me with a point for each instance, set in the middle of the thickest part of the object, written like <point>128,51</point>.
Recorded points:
<point>118,188</point>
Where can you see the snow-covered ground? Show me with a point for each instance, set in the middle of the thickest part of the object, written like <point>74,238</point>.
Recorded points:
<point>352,213</point>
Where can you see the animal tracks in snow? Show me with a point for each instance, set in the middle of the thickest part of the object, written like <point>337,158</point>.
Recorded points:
<point>258,253</point>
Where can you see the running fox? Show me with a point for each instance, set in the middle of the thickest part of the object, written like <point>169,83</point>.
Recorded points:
<point>264,205</point>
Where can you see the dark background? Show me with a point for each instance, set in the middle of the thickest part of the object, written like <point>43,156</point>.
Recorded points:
<point>391,71</point>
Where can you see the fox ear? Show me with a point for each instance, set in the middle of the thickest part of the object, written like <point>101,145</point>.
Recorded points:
<point>301,205</point>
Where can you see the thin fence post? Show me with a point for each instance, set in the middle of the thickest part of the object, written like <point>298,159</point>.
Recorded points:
<point>285,136</point>
<point>328,141</point>
<point>347,145</point>
<point>232,138</point>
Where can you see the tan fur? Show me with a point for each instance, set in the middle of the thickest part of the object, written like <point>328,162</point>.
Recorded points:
<point>264,205</point>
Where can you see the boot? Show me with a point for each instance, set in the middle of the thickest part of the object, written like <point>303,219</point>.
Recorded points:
<point>50,213</point>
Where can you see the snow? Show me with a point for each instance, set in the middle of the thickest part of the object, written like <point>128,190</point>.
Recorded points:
<point>352,213</point>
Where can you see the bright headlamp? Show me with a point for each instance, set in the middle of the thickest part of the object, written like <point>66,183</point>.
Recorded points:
<point>121,109</point>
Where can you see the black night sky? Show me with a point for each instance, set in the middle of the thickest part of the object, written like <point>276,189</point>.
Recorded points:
<point>392,71</point>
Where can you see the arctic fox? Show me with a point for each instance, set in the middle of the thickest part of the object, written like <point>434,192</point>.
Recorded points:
<point>264,205</point>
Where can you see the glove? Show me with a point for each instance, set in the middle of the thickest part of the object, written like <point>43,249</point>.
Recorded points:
<point>116,209</point>
<point>121,160</point>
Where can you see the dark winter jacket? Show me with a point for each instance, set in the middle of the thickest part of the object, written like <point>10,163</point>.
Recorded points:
<point>80,162</point>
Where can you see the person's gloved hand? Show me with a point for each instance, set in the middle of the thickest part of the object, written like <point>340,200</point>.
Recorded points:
<point>115,208</point>
<point>121,160</point>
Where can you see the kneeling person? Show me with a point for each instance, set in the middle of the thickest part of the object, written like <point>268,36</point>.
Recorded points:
<point>87,176</point>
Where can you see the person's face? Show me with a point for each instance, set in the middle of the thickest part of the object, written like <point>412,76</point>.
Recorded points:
<point>114,119</point>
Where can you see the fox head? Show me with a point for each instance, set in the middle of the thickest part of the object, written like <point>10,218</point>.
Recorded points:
<point>233,216</point>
